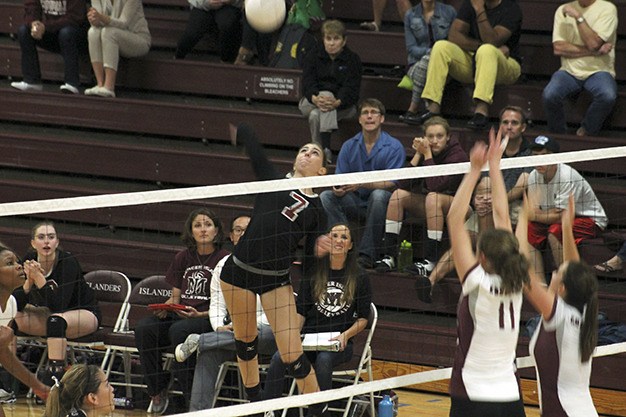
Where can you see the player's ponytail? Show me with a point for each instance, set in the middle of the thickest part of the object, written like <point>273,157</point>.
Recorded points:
<point>501,251</point>
<point>581,291</point>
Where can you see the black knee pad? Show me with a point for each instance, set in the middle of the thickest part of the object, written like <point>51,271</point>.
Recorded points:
<point>300,368</point>
<point>246,351</point>
<point>56,327</point>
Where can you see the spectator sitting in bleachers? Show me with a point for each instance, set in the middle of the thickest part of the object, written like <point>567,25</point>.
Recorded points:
<point>370,150</point>
<point>335,297</point>
<point>215,348</point>
<point>117,29</point>
<point>424,24</point>
<point>237,228</point>
<point>55,301</point>
<point>614,264</point>
<point>378,6</point>
<point>482,48</point>
<point>584,36</point>
<point>549,188</point>
<point>331,81</point>
<point>429,200</point>
<point>254,44</point>
<point>206,16</point>
<point>58,27</point>
<point>189,275</point>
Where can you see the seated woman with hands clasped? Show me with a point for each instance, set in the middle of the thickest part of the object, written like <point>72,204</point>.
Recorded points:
<point>55,300</point>
<point>335,297</point>
<point>118,28</point>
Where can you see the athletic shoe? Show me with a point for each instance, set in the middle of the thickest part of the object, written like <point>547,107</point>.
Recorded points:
<point>92,91</point>
<point>159,403</point>
<point>104,92</point>
<point>187,348</point>
<point>387,264</point>
<point>68,89</point>
<point>422,267</point>
<point>24,86</point>
<point>6,397</point>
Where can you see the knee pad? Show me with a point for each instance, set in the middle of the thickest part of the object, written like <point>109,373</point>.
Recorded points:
<point>56,327</point>
<point>246,351</point>
<point>300,368</point>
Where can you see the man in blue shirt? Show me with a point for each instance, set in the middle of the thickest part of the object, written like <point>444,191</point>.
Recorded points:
<point>370,150</point>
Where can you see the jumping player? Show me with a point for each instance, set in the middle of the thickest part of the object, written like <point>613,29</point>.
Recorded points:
<point>484,381</point>
<point>260,265</point>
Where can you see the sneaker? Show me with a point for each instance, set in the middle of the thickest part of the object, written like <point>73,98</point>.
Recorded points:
<point>328,154</point>
<point>92,91</point>
<point>478,122</point>
<point>387,264</point>
<point>187,348</point>
<point>6,397</point>
<point>159,403</point>
<point>68,89</point>
<point>103,92</point>
<point>365,262</point>
<point>424,289</point>
<point>24,86</point>
<point>422,267</point>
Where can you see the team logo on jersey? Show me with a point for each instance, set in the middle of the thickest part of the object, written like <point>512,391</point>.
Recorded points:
<point>197,282</point>
<point>292,211</point>
<point>332,305</point>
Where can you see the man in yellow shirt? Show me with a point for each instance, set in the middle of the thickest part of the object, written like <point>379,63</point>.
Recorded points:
<point>584,37</point>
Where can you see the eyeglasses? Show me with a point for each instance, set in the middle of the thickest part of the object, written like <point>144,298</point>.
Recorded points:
<point>238,230</point>
<point>370,113</point>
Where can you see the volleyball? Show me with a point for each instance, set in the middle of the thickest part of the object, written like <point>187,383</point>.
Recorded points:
<point>265,15</point>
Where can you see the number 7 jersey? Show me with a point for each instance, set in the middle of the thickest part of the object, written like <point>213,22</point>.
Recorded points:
<point>487,329</point>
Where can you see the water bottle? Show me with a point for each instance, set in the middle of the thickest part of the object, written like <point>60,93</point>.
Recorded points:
<point>385,407</point>
<point>124,403</point>
<point>405,255</point>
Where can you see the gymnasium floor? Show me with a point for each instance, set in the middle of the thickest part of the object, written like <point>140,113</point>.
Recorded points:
<point>412,404</point>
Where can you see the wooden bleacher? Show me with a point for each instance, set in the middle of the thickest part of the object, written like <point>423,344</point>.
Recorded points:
<point>169,128</point>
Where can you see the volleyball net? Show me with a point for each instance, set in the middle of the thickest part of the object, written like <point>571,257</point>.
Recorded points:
<point>138,233</point>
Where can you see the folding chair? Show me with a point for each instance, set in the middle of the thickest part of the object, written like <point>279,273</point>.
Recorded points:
<point>151,290</point>
<point>111,289</point>
<point>350,373</point>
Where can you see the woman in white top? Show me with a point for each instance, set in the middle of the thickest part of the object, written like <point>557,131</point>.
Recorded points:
<point>118,28</point>
<point>484,381</point>
<point>562,346</point>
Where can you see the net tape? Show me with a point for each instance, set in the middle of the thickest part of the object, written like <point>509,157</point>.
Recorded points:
<point>363,388</point>
<point>254,187</point>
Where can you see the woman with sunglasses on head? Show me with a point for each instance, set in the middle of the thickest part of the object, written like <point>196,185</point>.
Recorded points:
<point>261,261</point>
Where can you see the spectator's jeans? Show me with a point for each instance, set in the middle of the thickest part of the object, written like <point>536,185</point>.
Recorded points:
<point>323,363</point>
<point>622,253</point>
<point>69,41</point>
<point>491,66</point>
<point>602,87</point>
<point>351,206</point>
<point>214,349</point>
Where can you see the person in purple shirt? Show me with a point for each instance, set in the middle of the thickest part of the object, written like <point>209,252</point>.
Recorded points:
<point>189,275</point>
<point>370,150</point>
<point>428,199</point>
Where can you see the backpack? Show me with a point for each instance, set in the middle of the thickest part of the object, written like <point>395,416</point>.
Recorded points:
<point>294,42</point>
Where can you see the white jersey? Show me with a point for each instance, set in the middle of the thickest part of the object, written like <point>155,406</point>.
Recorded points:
<point>8,312</point>
<point>563,380</point>
<point>488,327</point>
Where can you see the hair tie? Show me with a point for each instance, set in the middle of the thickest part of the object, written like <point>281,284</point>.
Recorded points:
<point>57,383</point>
